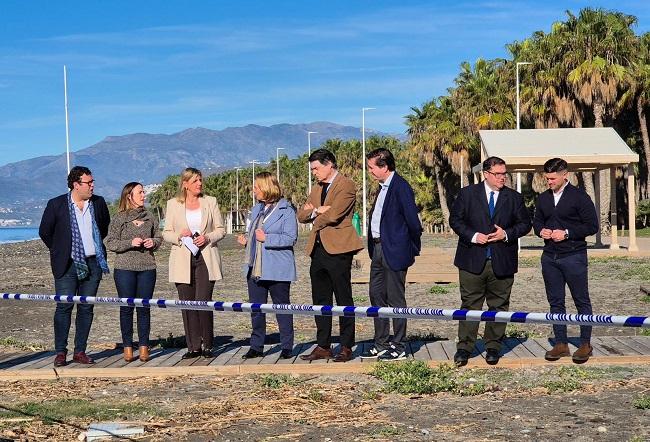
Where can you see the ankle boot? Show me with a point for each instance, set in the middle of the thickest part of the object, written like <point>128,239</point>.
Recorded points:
<point>558,351</point>
<point>144,353</point>
<point>128,354</point>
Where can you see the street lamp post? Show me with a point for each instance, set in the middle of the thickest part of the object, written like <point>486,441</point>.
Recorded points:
<point>308,154</point>
<point>519,63</point>
<point>277,162</point>
<point>237,169</point>
<point>363,164</point>
<point>254,162</point>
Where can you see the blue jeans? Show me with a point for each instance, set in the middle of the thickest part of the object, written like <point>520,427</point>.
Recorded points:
<point>258,292</point>
<point>132,284</point>
<point>558,272</point>
<point>68,285</point>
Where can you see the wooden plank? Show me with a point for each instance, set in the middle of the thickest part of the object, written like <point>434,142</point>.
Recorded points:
<point>257,361</point>
<point>605,347</point>
<point>41,357</point>
<point>45,362</point>
<point>533,347</point>
<point>236,358</point>
<point>618,345</point>
<point>9,355</point>
<point>272,354</point>
<point>223,357</point>
<point>633,345</point>
<point>436,351</point>
<point>158,357</point>
<point>515,349</point>
<point>297,349</point>
<point>450,349</point>
<point>305,350</point>
<point>19,358</point>
<point>104,361</point>
<point>174,358</point>
<point>418,350</point>
<point>643,341</point>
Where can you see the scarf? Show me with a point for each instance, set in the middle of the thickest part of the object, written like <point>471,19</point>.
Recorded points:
<point>78,254</point>
<point>254,247</point>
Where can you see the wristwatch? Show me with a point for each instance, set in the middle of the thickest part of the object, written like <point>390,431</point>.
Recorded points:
<point>566,234</point>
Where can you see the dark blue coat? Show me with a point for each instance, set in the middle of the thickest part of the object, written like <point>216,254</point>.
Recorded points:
<point>400,228</point>
<point>56,234</point>
<point>470,214</point>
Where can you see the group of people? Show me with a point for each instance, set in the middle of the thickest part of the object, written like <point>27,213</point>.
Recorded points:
<point>488,218</point>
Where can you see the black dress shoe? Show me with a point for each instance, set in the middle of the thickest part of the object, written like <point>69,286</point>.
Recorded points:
<point>207,353</point>
<point>492,356</point>
<point>461,357</point>
<point>191,354</point>
<point>251,354</point>
<point>286,354</point>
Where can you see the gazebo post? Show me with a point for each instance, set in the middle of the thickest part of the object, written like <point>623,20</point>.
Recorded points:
<point>613,244</point>
<point>599,235</point>
<point>631,209</point>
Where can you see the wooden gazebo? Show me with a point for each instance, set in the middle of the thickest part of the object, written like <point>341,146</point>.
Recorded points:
<point>585,149</point>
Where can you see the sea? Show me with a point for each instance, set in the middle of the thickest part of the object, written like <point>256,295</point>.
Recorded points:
<point>17,234</point>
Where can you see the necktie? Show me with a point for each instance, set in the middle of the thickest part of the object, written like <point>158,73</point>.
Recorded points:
<point>488,251</point>
<point>323,193</point>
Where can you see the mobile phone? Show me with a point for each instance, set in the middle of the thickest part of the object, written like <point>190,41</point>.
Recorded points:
<point>195,234</point>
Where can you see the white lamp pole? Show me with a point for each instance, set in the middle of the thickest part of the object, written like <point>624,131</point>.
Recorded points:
<point>277,162</point>
<point>308,154</point>
<point>363,164</point>
<point>67,128</point>
<point>254,162</point>
<point>237,169</point>
<point>519,63</point>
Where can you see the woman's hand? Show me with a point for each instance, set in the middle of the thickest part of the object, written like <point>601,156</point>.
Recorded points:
<point>148,243</point>
<point>186,232</point>
<point>200,240</point>
<point>136,242</point>
<point>260,235</point>
<point>241,239</point>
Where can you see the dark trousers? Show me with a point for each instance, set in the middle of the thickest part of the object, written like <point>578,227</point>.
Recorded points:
<point>571,270</point>
<point>331,275</point>
<point>474,290</point>
<point>132,284</point>
<point>387,289</point>
<point>198,323</point>
<point>69,285</point>
<point>258,293</point>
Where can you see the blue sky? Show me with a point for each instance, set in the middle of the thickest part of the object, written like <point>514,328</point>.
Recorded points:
<point>164,66</point>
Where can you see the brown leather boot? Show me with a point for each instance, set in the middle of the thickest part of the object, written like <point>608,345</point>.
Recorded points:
<point>144,353</point>
<point>558,351</point>
<point>128,354</point>
<point>582,354</point>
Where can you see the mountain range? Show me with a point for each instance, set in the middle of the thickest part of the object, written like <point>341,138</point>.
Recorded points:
<point>26,185</point>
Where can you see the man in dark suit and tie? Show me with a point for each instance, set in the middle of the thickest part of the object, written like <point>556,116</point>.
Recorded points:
<point>394,234</point>
<point>73,228</point>
<point>564,216</point>
<point>332,244</point>
<point>488,218</point>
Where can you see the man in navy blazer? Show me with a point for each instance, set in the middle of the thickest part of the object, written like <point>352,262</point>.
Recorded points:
<point>488,218</point>
<point>56,232</point>
<point>394,234</point>
<point>564,216</point>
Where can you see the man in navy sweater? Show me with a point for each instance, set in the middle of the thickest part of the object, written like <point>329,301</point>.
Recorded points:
<point>564,216</point>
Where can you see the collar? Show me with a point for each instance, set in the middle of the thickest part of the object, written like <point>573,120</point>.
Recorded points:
<point>559,192</point>
<point>488,189</point>
<point>336,172</point>
<point>388,180</point>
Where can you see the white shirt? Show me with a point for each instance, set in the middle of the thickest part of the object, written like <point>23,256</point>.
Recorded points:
<point>557,195</point>
<point>85,223</point>
<point>375,220</point>
<point>193,218</point>
<point>489,190</point>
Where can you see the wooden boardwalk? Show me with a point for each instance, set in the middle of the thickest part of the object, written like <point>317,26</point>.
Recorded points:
<point>517,353</point>
<point>433,266</point>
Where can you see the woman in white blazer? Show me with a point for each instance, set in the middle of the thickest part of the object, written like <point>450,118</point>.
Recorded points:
<point>193,219</point>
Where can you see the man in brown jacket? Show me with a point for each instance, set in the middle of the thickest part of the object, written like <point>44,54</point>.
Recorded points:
<point>332,243</point>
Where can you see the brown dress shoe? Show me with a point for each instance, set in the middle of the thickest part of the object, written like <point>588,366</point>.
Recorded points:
<point>582,354</point>
<point>128,354</point>
<point>318,353</point>
<point>558,351</point>
<point>59,360</point>
<point>144,353</point>
<point>82,358</point>
<point>344,355</point>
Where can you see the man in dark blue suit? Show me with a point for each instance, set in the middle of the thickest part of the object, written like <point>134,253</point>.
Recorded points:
<point>564,216</point>
<point>73,228</point>
<point>488,218</point>
<point>394,234</point>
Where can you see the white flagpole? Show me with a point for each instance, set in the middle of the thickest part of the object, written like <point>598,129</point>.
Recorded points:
<point>67,128</point>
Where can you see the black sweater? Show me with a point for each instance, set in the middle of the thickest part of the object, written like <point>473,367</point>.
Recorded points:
<point>574,212</point>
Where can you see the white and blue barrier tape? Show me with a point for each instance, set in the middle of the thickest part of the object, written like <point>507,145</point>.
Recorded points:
<point>364,312</point>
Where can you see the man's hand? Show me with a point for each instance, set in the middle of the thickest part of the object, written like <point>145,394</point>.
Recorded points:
<point>260,235</point>
<point>481,238</point>
<point>498,235</point>
<point>241,239</point>
<point>545,233</point>
<point>308,206</point>
<point>558,235</point>
<point>322,209</point>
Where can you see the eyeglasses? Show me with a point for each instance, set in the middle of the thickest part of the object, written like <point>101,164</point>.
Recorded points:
<point>497,174</point>
<point>90,183</point>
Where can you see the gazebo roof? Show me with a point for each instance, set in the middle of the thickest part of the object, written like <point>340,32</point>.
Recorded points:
<point>582,148</point>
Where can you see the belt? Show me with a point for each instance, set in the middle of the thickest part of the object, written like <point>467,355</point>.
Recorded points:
<point>376,240</point>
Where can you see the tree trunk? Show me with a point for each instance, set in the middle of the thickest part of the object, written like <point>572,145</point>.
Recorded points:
<point>588,180</point>
<point>441,197</point>
<point>605,189</point>
<point>646,143</point>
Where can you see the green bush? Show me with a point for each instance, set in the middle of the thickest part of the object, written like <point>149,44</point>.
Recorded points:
<point>642,403</point>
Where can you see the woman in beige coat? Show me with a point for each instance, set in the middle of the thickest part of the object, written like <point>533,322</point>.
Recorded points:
<point>193,221</point>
